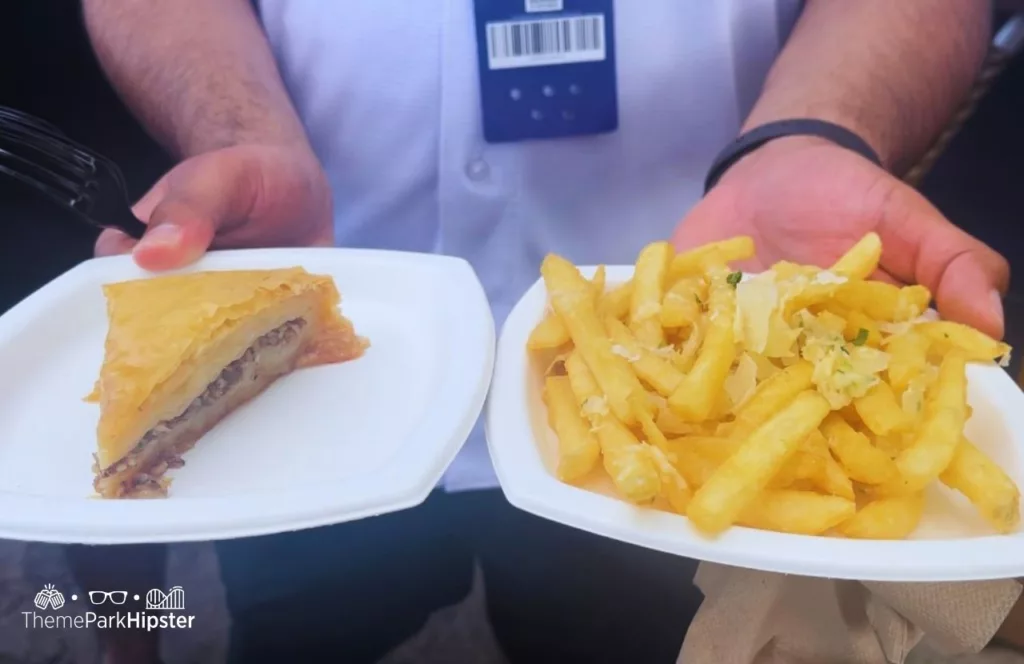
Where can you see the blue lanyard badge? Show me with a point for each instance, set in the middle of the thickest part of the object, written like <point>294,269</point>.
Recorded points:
<point>547,68</point>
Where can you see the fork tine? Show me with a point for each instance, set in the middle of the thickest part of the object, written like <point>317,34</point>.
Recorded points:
<point>54,147</point>
<point>40,155</point>
<point>74,200</point>
<point>51,159</point>
<point>38,171</point>
<point>44,182</point>
<point>50,192</point>
<point>20,117</point>
<point>60,146</point>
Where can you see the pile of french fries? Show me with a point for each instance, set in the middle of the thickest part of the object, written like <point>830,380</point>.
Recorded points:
<point>798,400</point>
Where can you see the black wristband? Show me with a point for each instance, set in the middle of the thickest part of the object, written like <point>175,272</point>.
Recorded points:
<point>758,136</point>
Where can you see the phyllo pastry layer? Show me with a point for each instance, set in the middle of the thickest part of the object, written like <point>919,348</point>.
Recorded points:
<point>183,351</point>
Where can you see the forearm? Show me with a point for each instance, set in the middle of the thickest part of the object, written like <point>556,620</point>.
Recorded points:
<point>199,74</point>
<point>893,72</point>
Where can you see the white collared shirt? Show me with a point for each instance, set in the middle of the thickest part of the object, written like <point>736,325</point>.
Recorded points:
<point>388,92</point>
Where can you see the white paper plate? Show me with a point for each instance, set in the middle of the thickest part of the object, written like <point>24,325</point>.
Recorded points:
<point>951,544</point>
<point>323,445</point>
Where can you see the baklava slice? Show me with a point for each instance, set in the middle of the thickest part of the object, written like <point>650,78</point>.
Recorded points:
<point>182,351</point>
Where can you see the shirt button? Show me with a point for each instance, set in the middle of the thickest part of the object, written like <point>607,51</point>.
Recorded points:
<point>478,170</point>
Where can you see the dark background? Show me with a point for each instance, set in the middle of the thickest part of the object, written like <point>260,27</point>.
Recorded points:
<point>48,70</point>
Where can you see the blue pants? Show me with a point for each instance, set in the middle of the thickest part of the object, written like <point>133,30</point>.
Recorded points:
<point>351,593</point>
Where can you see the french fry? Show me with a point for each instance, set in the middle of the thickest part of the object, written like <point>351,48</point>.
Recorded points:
<point>739,480</point>
<point>572,299</point>
<point>673,425</point>
<point>696,261</point>
<point>650,367</point>
<point>674,487</point>
<point>683,303</point>
<point>797,512</point>
<point>990,490</point>
<point>861,260</point>
<point>802,466</point>
<point>694,467</point>
<point>768,397</point>
<point>882,301</point>
<point>908,357</point>
<point>615,302</point>
<point>628,462</point>
<point>697,394</point>
<point>687,355</point>
<point>551,332</point>
<point>578,449</point>
<point>857,325</point>
<point>832,480</point>
<point>599,281</point>
<point>711,447</point>
<point>765,367</point>
<point>625,459</point>
<point>946,336</point>
<point>813,295</point>
<point>941,431</point>
<point>743,401</point>
<point>648,292</point>
<point>584,385</point>
<point>880,411</point>
<point>893,444</point>
<point>862,461</point>
<point>886,518</point>
<point>857,321</point>
<point>650,430</point>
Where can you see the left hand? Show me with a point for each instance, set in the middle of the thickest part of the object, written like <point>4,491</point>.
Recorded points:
<point>808,200</point>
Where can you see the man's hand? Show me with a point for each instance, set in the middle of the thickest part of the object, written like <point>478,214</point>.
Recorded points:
<point>241,196</point>
<point>808,200</point>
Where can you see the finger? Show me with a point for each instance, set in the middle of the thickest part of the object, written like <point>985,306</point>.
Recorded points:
<point>143,208</point>
<point>968,291</point>
<point>708,221</point>
<point>965,276</point>
<point>113,242</point>
<point>196,200</point>
<point>325,239</point>
<point>882,275</point>
<point>178,235</point>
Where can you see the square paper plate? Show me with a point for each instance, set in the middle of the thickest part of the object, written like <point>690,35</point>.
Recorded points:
<point>322,445</point>
<point>951,544</point>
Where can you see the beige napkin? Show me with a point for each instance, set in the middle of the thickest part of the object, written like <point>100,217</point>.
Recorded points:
<point>751,617</point>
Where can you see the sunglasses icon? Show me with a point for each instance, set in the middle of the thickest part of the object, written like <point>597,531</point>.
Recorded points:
<point>115,596</point>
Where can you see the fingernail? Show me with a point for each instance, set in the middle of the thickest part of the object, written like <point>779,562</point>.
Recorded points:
<point>163,235</point>
<point>996,304</point>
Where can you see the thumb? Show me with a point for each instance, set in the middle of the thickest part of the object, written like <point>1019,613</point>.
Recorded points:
<point>179,233</point>
<point>970,287</point>
<point>188,206</point>
<point>966,277</point>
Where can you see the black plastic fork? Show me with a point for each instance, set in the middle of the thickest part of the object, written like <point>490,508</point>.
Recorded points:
<point>40,156</point>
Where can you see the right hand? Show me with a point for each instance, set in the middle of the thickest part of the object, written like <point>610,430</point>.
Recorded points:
<point>240,196</point>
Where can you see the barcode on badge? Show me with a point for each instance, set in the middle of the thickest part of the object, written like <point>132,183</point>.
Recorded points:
<point>544,6</point>
<point>541,42</point>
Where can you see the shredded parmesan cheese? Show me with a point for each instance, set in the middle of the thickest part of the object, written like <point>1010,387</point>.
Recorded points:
<point>622,351</point>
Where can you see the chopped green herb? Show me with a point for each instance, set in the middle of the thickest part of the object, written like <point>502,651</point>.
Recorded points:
<point>697,297</point>
<point>861,338</point>
<point>734,278</point>
<point>843,348</point>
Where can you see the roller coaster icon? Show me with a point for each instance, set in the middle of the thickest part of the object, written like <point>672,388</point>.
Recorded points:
<point>172,600</point>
